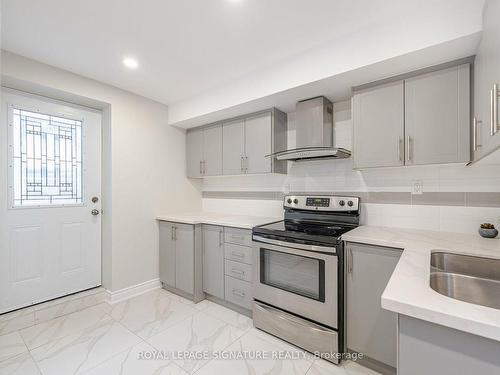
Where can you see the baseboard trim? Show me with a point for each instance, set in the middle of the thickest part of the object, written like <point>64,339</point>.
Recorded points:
<point>132,291</point>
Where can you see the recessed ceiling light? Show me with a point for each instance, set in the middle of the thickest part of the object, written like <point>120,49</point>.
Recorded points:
<point>130,62</point>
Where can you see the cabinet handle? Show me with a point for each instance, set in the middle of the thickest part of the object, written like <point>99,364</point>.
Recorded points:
<point>175,233</point>
<point>238,293</point>
<point>201,170</point>
<point>241,164</point>
<point>203,163</point>
<point>172,233</point>
<point>237,272</point>
<point>220,238</point>
<point>246,164</point>
<point>475,123</point>
<point>349,261</point>
<point>408,148</point>
<point>495,126</point>
<point>400,158</point>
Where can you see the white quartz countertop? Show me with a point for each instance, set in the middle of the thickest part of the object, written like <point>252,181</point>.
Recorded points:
<point>408,291</point>
<point>238,221</point>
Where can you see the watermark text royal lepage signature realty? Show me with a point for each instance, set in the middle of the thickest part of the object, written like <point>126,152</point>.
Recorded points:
<point>162,355</point>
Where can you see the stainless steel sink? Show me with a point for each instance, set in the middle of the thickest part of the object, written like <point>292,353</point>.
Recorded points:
<point>466,278</point>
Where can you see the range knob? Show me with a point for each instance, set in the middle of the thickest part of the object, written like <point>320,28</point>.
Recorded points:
<point>350,203</point>
<point>341,203</point>
<point>295,201</point>
<point>289,201</point>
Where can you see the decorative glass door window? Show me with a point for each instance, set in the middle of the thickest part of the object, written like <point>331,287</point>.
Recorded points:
<point>46,159</point>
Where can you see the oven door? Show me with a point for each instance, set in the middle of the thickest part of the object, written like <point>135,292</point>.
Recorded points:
<point>298,278</point>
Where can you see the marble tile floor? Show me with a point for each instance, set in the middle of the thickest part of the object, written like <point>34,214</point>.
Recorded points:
<point>139,335</point>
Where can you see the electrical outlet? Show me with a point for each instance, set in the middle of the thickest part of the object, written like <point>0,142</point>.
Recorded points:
<point>417,187</point>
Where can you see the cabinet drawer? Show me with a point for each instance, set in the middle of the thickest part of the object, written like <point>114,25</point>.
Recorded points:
<point>238,253</point>
<point>238,292</point>
<point>238,270</point>
<point>238,236</point>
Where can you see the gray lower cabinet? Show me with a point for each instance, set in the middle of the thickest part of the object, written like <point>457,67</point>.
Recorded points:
<point>437,117</point>
<point>370,329</point>
<point>180,258</point>
<point>213,260</point>
<point>167,253</point>
<point>428,348</point>
<point>378,115</point>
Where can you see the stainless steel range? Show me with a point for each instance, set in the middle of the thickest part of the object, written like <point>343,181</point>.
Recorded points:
<point>298,283</point>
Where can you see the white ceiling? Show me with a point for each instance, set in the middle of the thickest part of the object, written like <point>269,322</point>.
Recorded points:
<point>188,47</point>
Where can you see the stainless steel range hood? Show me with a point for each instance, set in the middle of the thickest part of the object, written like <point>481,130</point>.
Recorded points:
<point>314,132</point>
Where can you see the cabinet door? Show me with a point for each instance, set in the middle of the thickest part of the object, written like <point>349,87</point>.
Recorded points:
<point>184,257</point>
<point>233,147</point>
<point>212,151</point>
<point>370,329</point>
<point>167,254</point>
<point>213,260</point>
<point>486,74</point>
<point>437,117</point>
<point>194,152</point>
<point>378,118</point>
<point>258,144</point>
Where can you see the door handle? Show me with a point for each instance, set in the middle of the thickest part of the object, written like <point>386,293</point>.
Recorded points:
<point>95,212</point>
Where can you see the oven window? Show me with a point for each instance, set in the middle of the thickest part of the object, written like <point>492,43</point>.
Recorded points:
<point>294,273</point>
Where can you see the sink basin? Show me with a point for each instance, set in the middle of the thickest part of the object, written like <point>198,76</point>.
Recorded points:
<point>466,278</point>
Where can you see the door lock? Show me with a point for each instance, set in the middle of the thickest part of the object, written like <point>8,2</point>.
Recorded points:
<point>95,199</point>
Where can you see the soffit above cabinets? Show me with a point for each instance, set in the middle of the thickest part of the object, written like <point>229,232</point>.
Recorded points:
<point>336,88</point>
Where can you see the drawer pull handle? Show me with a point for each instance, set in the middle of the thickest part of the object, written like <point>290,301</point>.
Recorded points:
<point>238,272</point>
<point>237,254</point>
<point>238,293</point>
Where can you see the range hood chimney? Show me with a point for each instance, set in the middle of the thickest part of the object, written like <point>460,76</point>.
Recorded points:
<point>314,132</point>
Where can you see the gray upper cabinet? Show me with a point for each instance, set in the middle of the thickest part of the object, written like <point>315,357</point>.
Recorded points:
<point>238,146</point>
<point>213,260</point>
<point>212,151</point>
<point>486,76</point>
<point>233,147</point>
<point>194,152</point>
<point>419,118</point>
<point>204,151</point>
<point>437,117</point>
<point>257,146</point>
<point>378,117</point>
<point>370,329</point>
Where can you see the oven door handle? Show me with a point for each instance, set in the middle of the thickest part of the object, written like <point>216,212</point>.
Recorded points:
<point>293,245</point>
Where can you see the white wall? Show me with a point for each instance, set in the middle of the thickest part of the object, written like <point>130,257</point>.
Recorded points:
<point>338,176</point>
<point>145,175</point>
<point>412,31</point>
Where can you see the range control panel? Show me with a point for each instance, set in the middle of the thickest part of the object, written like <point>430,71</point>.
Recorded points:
<point>321,202</point>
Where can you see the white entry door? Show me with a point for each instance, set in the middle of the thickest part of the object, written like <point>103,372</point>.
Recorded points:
<point>50,235</point>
